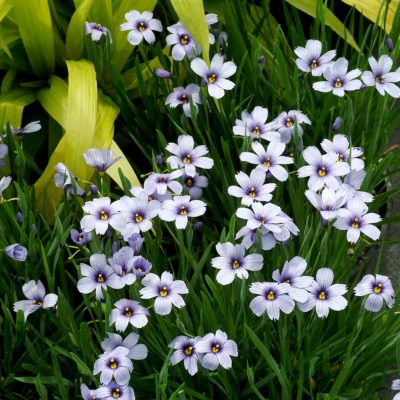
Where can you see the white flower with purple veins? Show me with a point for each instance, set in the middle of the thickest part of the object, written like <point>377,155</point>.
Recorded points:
<point>96,31</point>
<point>182,42</point>
<point>353,182</point>
<point>286,123</point>
<point>141,266</point>
<point>122,265</point>
<point>187,156</point>
<point>37,298</point>
<point>328,202</point>
<point>153,195</point>
<point>267,216</point>
<point>396,386</point>
<point>269,160</point>
<point>114,364</point>
<point>254,125</point>
<point>3,154</point>
<point>88,394</point>
<point>136,351</point>
<point>99,159</point>
<point>137,213</point>
<point>180,208</point>
<point>311,60</point>
<point>218,350</point>
<point>4,184</point>
<point>160,183</point>
<point>338,80</point>
<point>215,75</point>
<point>324,295</point>
<point>101,214</point>
<point>63,180</point>
<point>128,312</point>
<point>98,276</point>
<point>28,128</point>
<point>233,262</point>
<point>194,185</point>
<point>354,219</point>
<point>185,350</point>
<point>141,26</point>
<point>379,289</point>
<point>272,299</point>
<point>341,146</point>
<point>381,77</point>
<point>323,170</point>
<point>291,274</point>
<point>165,289</point>
<point>252,188</point>
<point>115,391</point>
<point>16,252</point>
<point>182,95</point>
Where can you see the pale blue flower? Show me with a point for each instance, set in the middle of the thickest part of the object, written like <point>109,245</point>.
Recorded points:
<point>141,26</point>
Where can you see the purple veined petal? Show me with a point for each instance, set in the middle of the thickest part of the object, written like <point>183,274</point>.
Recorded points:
<point>374,302</point>
<point>273,310</point>
<point>322,308</point>
<point>298,294</point>
<point>122,376</point>
<point>322,86</point>
<point>26,306</point>
<point>210,361</point>
<point>227,70</point>
<point>138,352</point>
<point>324,277</point>
<point>337,303</point>
<point>177,300</point>
<point>258,305</point>
<point>392,90</point>
<point>162,306</point>
<point>353,235</point>
<point>305,171</point>
<point>338,91</point>
<point>225,276</point>
<point>224,360</point>
<point>278,172</point>
<point>86,285</point>
<point>253,262</point>
<point>371,231</point>
<point>191,365</point>
<point>215,91</point>
<point>286,303</point>
<point>50,300</point>
<point>199,66</point>
<point>368,78</point>
<point>353,85</point>
<point>106,376</point>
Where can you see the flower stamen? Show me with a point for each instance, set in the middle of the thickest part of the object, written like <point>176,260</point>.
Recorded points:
<point>164,291</point>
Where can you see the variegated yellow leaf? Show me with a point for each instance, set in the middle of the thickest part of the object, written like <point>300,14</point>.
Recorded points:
<point>76,29</point>
<point>12,105</point>
<point>35,26</point>
<point>310,8</point>
<point>191,14</point>
<point>101,12</point>
<point>375,10</point>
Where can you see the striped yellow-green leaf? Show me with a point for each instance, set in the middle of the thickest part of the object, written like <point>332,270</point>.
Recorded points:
<point>310,8</point>
<point>12,105</point>
<point>191,14</point>
<point>5,7</point>
<point>86,125</point>
<point>101,12</point>
<point>76,29</point>
<point>375,10</point>
<point>35,26</point>
<point>121,47</point>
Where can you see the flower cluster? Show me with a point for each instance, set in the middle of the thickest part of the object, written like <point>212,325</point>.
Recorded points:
<point>210,350</point>
<point>338,79</point>
<point>339,200</point>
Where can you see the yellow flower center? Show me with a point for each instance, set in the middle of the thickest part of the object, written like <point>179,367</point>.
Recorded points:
<point>252,192</point>
<point>37,302</point>
<point>163,291</point>
<point>189,182</point>
<point>103,215</point>
<point>289,122</point>
<point>141,27</point>
<point>340,157</point>
<point>113,364</point>
<point>162,178</point>
<point>355,223</point>
<point>256,131</point>
<point>116,393</point>
<point>235,264</point>
<point>216,348</point>
<point>187,159</point>
<point>128,312</point>
<point>267,162</point>
<point>100,278</point>
<point>183,211</point>
<point>271,295</point>
<point>212,78</point>
<point>185,39</point>
<point>379,79</point>
<point>188,350</point>
<point>184,99</point>
<point>322,296</point>
<point>378,288</point>
<point>314,64</point>
<point>322,171</point>
<point>338,83</point>
<point>138,218</point>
